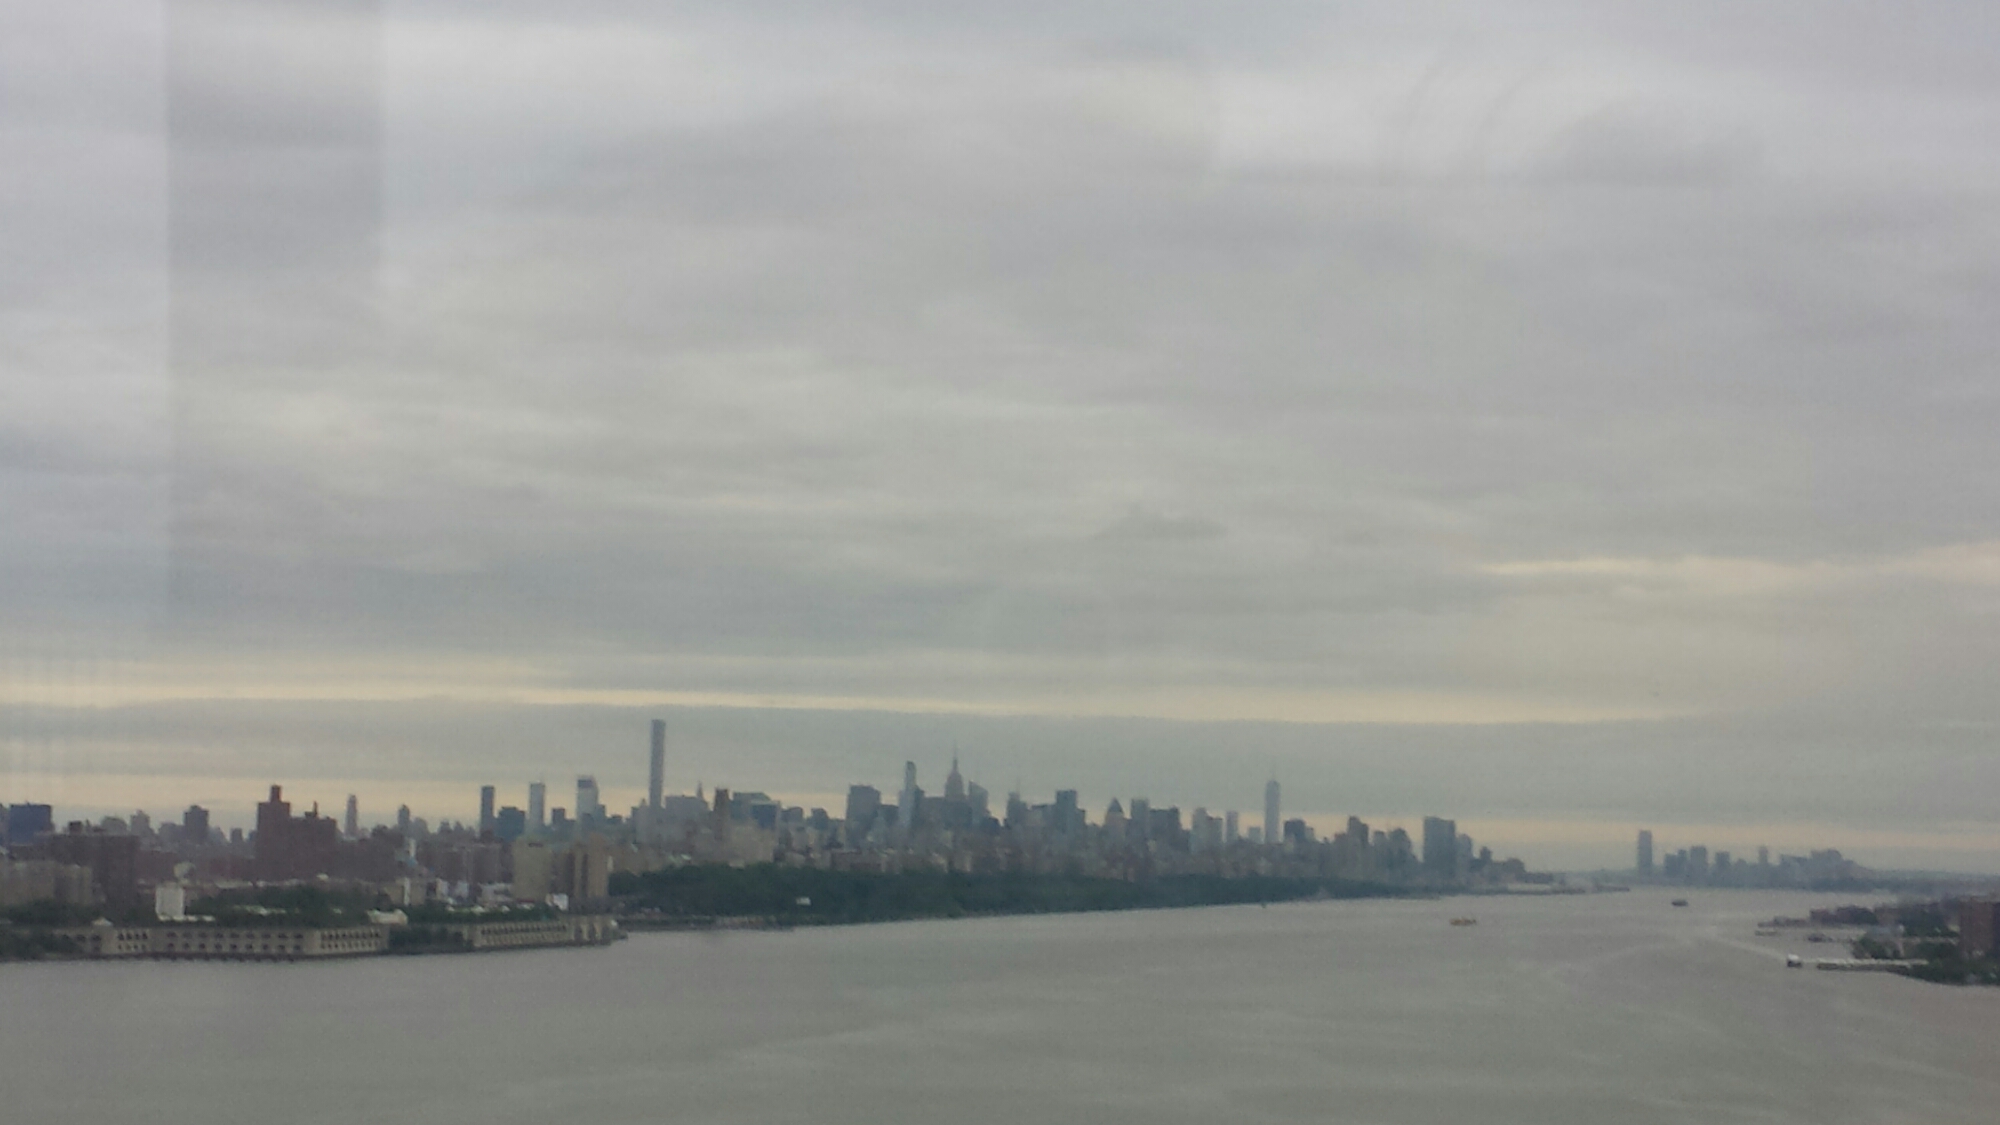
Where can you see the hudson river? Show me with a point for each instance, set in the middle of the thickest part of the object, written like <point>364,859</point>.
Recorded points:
<point>1601,1009</point>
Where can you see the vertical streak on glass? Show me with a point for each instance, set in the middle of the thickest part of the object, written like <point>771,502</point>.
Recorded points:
<point>274,182</point>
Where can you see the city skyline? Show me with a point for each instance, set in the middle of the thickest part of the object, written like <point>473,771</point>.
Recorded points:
<point>534,813</point>
<point>1495,783</point>
<point>510,860</point>
<point>1293,367</point>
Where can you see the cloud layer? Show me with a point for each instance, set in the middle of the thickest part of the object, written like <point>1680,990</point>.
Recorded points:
<point>1601,364</point>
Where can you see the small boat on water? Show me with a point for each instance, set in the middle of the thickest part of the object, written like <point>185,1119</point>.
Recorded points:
<point>1465,921</point>
<point>1680,902</point>
<point>1794,961</point>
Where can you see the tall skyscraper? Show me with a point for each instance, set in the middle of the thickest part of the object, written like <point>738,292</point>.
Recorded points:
<point>954,782</point>
<point>906,801</point>
<point>1271,811</point>
<point>485,809</point>
<point>271,818</point>
<point>1441,846</point>
<point>194,825</point>
<point>1066,815</point>
<point>538,799</point>
<point>588,806</point>
<point>289,847</point>
<point>863,803</point>
<point>403,820</point>
<point>1230,830</point>
<point>27,823</point>
<point>351,824</point>
<point>510,824</point>
<point>656,777</point>
<point>1645,864</point>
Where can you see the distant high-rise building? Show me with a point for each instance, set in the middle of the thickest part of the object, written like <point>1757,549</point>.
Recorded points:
<point>656,776</point>
<point>352,823</point>
<point>533,866</point>
<point>906,801</point>
<point>589,807</point>
<point>291,847</point>
<point>1697,862</point>
<point>1271,828</point>
<point>1204,832</point>
<point>271,818</point>
<point>977,798</point>
<point>1114,821</point>
<point>113,859</point>
<point>510,824</point>
<point>403,820</point>
<point>954,782</point>
<point>1441,846</point>
<point>538,797</point>
<point>194,826</point>
<point>863,803</point>
<point>1140,813</point>
<point>1068,817</point>
<point>1230,830</point>
<point>485,809</point>
<point>1017,812</point>
<point>722,815</point>
<point>1763,857</point>
<point>1645,865</point>
<point>26,822</point>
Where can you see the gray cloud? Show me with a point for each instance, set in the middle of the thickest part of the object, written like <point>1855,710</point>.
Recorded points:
<point>1097,360</point>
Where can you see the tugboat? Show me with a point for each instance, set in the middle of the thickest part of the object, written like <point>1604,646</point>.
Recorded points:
<point>1680,902</point>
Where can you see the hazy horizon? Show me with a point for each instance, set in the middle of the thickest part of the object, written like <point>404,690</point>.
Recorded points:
<point>1543,792</point>
<point>1569,418</point>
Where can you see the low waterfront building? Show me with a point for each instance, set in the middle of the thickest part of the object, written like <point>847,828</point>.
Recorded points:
<point>586,929</point>
<point>227,943</point>
<point>102,939</point>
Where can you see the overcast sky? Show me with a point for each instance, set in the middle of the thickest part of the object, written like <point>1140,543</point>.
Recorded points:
<point>1571,417</point>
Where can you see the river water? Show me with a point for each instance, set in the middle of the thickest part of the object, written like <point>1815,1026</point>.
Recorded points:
<point>1587,1009</point>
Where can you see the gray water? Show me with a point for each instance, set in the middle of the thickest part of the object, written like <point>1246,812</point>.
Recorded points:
<point>1599,1009</point>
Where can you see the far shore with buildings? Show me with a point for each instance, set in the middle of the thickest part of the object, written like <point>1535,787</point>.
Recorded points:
<point>134,887</point>
<point>532,874</point>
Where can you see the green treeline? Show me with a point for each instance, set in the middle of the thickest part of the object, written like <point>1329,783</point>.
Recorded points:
<point>48,912</point>
<point>32,944</point>
<point>303,905</point>
<point>809,896</point>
